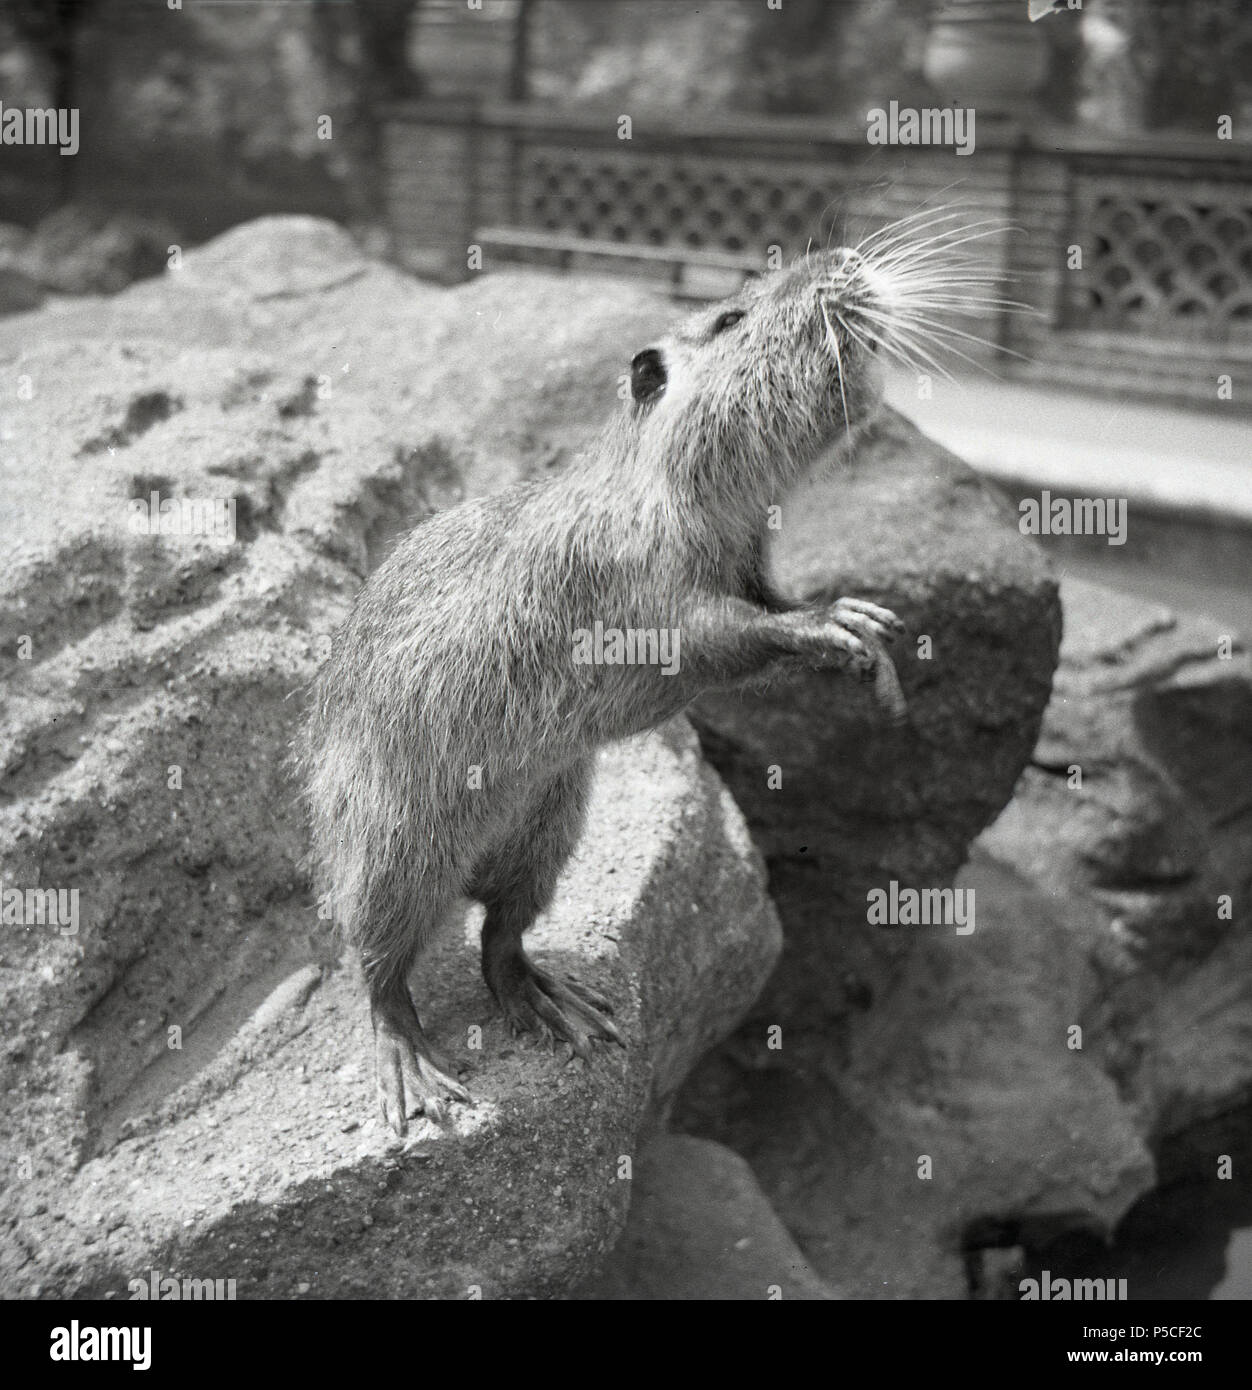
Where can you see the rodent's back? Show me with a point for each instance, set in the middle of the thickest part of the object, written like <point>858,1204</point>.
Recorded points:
<point>459,648</point>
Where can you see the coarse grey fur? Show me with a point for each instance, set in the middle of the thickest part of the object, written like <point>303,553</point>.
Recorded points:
<point>458,654</point>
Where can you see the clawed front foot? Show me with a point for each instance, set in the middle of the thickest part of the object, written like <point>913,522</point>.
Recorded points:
<point>858,631</point>
<point>407,1064</point>
<point>857,618</point>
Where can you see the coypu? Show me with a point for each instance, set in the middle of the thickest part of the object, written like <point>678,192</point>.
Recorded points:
<point>451,739</point>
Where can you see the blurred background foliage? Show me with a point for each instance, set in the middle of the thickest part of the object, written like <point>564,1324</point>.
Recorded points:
<point>209,114</point>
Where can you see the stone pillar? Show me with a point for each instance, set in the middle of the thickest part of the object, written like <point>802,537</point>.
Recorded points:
<point>431,180</point>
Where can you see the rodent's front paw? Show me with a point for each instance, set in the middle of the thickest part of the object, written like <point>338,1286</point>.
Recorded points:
<point>852,633</point>
<point>856,631</point>
<point>867,618</point>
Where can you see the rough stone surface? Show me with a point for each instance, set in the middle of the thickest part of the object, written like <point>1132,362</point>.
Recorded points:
<point>1096,907</point>
<point>962,1060</point>
<point>700,1228</point>
<point>896,1043</point>
<point>82,250</point>
<point>1136,808</point>
<point>859,804</point>
<point>143,734</point>
<point>254,1154</point>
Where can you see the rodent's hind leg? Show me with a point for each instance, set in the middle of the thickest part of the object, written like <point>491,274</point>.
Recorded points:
<point>515,883</point>
<point>406,1064</point>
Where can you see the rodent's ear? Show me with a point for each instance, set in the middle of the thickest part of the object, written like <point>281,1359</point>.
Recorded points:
<point>647,375</point>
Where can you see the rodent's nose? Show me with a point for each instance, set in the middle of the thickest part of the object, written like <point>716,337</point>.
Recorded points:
<point>846,258</point>
<point>841,266</point>
<point>856,280</point>
<point>848,283</point>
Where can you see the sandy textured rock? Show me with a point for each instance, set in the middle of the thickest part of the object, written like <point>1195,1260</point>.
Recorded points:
<point>700,1228</point>
<point>143,732</point>
<point>254,1155</point>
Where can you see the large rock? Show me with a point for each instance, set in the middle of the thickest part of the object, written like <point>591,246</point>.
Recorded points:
<point>1099,907</point>
<point>701,1228</point>
<point>839,802</point>
<point>942,1115</point>
<point>189,1068</point>
<point>245,1157</point>
<point>1135,809</point>
<point>334,400</point>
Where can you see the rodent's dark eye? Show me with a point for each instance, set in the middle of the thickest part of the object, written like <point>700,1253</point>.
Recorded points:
<point>727,320</point>
<point>647,375</point>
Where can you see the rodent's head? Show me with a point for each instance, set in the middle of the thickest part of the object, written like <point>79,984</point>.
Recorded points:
<point>763,382</point>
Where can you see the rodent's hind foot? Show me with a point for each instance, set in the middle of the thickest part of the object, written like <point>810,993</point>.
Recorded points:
<point>408,1069</point>
<point>569,1012</point>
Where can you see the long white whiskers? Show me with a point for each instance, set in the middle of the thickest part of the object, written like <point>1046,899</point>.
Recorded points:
<point>930,281</point>
<point>833,339</point>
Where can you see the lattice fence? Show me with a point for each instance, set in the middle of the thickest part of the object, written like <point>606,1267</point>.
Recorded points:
<point>662,200</point>
<point>1162,305</point>
<point>1162,257</point>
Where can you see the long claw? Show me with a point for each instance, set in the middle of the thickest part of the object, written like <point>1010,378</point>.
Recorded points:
<point>407,1068</point>
<point>861,629</point>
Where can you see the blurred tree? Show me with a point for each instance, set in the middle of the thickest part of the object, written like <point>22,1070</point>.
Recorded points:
<point>1160,64</point>
<point>1203,64</point>
<point>793,68</point>
<point>50,27</point>
<point>831,56</point>
<point>1059,93</point>
<point>519,64</point>
<point>384,28</point>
